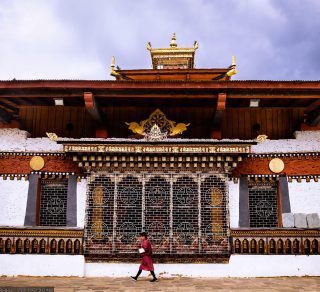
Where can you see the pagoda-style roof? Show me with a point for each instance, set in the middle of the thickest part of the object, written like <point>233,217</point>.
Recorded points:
<point>174,63</point>
<point>173,57</point>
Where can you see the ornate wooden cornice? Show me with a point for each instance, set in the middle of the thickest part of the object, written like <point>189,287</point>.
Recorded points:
<point>278,232</point>
<point>41,232</point>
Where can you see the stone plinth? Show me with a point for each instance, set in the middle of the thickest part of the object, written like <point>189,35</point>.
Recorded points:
<point>300,220</point>
<point>313,220</point>
<point>287,220</point>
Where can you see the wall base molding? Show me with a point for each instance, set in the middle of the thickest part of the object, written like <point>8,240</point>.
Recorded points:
<point>238,266</point>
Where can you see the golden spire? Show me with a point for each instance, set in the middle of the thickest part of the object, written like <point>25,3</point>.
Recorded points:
<point>233,60</point>
<point>113,64</point>
<point>232,70</point>
<point>173,43</point>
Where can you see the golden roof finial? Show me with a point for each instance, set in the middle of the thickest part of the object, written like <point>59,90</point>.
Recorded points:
<point>233,60</point>
<point>232,70</point>
<point>113,64</point>
<point>173,43</point>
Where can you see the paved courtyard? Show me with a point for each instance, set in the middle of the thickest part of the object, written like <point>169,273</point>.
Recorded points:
<point>165,284</point>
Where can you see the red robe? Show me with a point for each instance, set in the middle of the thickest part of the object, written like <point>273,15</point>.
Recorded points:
<point>146,261</point>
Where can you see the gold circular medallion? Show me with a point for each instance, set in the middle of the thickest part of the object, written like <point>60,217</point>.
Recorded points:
<point>276,165</point>
<point>37,163</point>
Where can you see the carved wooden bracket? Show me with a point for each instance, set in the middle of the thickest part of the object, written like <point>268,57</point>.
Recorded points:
<point>94,110</point>
<point>218,116</point>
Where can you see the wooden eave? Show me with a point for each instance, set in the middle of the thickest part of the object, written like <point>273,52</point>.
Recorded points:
<point>14,94</point>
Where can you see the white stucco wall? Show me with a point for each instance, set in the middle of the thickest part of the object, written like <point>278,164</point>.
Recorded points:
<point>234,204</point>
<point>238,266</point>
<point>305,141</point>
<point>304,197</point>
<point>13,202</point>
<point>81,202</point>
<point>41,265</point>
<point>15,140</point>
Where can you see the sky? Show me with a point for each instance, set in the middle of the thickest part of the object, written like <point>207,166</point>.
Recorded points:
<point>76,39</point>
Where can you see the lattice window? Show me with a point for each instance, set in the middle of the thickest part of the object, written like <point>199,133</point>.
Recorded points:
<point>157,212</point>
<point>183,213</point>
<point>263,205</point>
<point>100,211</point>
<point>129,213</point>
<point>214,224</point>
<point>53,203</point>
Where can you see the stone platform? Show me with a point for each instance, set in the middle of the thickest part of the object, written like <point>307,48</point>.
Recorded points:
<point>72,284</point>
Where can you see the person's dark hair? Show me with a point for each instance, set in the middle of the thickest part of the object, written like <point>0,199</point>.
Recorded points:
<point>144,234</point>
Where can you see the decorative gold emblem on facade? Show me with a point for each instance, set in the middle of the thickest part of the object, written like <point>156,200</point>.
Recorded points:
<point>137,128</point>
<point>179,129</point>
<point>164,127</point>
<point>37,163</point>
<point>52,136</point>
<point>155,134</point>
<point>261,138</point>
<point>276,165</point>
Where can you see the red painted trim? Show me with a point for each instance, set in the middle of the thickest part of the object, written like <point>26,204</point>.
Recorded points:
<point>10,164</point>
<point>109,84</point>
<point>303,165</point>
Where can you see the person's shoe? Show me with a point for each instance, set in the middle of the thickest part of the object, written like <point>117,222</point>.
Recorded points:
<point>154,280</point>
<point>134,279</point>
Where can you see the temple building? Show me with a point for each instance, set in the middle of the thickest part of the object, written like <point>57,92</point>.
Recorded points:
<point>222,174</point>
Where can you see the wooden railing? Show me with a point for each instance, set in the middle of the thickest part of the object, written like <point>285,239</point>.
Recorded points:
<point>275,241</point>
<point>41,240</point>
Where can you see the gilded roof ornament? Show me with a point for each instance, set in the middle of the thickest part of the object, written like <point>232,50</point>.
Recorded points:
<point>261,138</point>
<point>232,70</point>
<point>173,57</point>
<point>52,136</point>
<point>113,64</point>
<point>164,127</point>
<point>173,43</point>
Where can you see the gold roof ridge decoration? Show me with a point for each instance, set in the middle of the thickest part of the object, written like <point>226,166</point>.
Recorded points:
<point>261,138</point>
<point>52,136</point>
<point>173,57</point>
<point>164,125</point>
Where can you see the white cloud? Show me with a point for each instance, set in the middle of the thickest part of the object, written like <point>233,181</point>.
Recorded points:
<point>76,38</point>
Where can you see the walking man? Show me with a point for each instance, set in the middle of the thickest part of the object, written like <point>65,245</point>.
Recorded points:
<point>145,254</point>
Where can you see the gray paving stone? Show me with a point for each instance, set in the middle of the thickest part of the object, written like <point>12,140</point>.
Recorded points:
<point>300,220</point>
<point>313,220</point>
<point>288,220</point>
